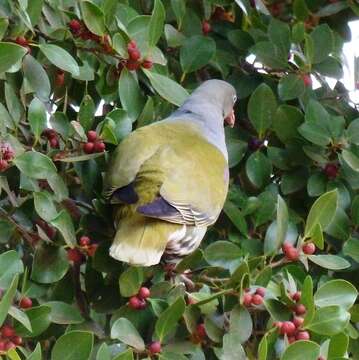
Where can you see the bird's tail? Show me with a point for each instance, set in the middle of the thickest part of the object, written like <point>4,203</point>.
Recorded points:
<point>140,240</point>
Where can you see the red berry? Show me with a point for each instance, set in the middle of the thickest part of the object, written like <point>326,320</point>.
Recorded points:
<point>75,25</point>
<point>132,65</point>
<point>147,64</point>
<point>54,143</point>
<point>134,303</point>
<point>155,347</point>
<point>131,45</point>
<point>144,293</point>
<point>298,321</point>
<point>261,291</point>
<point>91,136</point>
<point>85,241</point>
<point>286,246</point>
<point>3,164</point>
<point>307,80</point>
<point>247,300</point>
<point>300,309</point>
<point>21,40</point>
<point>75,256</point>
<point>292,254</point>
<point>50,231</point>
<point>143,304</point>
<point>331,171</point>
<point>191,301</point>
<point>302,335</point>
<point>309,249</point>
<point>7,152</point>
<point>25,303</point>
<point>288,328</point>
<point>291,339</point>
<point>17,340</point>
<point>7,331</point>
<point>99,146</point>
<point>134,54</point>
<point>2,345</point>
<point>91,249</point>
<point>60,78</point>
<point>9,345</point>
<point>206,27</point>
<point>88,147</point>
<point>278,324</point>
<point>296,296</point>
<point>201,330</point>
<point>257,299</point>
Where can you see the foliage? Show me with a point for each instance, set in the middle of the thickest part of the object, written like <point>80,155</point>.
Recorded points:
<point>287,241</point>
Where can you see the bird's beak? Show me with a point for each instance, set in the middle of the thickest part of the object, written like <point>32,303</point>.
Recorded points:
<point>230,119</point>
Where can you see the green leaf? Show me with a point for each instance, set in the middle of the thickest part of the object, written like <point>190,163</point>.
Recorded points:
<point>37,117</point>
<point>20,316</point>
<point>351,159</point>
<point>179,9</point>
<point>167,88</point>
<point>236,216</point>
<point>10,54</point>
<point>258,169</point>
<point>282,221</point>
<point>290,87</point>
<point>338,346</point>
<point>60,58</point>
<point>351,248</point>
<point>50,264</point>
<point>93,17</point>
<point>73,345</point>
<point>169,318</point>
<point>13,103</point>
<point>4,23</point>
<point>130,94</point>
<point>261,108</point>
<point>103,352</point>
<point>120,45</point>
<point>331,262</point>
<point>222,254</point>
<point>196,52</point>
<point>130,281</point>
<point>60,123</point>
<point>300,9</point>
<point>10,265</point>
<point>330,320</point>
<point>87,112</point>
<point>232,348</point>
<point>35,165</point>
<point>123,330</point>
<point>62,313</point>
<point>279,34</point>
<point>277,310</point>
<point>322,37</point>
<point>322,211</point>
<point>36,354</point>
<point>353,132</point>
<point>286,121</point>
<point>270,55</point>
<point>44,205</point>
<point>156,23</point>
<point>123,123</point>
<point>7,299</point>
<point>301,350</point>
<point>37,77</point>
<point>336,292</point>
<point>240,325</point>
<point>64,224</point>
<point>40,320</point>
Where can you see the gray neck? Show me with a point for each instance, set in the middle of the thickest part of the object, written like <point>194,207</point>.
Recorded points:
<point>208,117</point>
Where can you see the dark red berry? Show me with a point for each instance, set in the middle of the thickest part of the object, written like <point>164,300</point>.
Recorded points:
<point>3,164</point>
<point>75,25</point>
<point>292,254</point>
<point>201,330</point>
<point>206,27</point>
<point>84,241</point>
<point>309,248</point>
<point>155,347</point>
<point>300,309</point>
<point>88,147</point>
<point>296,296</point>
<point>17,340</point>
<point>21,40</point>
<point>60,78</point>
<point>307,80</point>
<point>9,345</point>
<point>7,152</point>
<point>132,65</point>
<point>25,303</point>
<point>321,358</point>
<point>134,303</point>
<point>247,300</point>
<point>131,45</point>
<point>54,143</point>
<point>291,339</point>
<point>134,54</point>
<point>261,291</point>
<point>2,345</point>
<point>147,64</point>
<point>298,321</point>
<point>302,335</point>
<point>7,331</point>
<point>99,146</point>
<point>91,136</point>
<point>331,171</point>
<point>254,144</point>
<point>143,304</point>
<point>75,255</point>
<point>257,299</point>
<point>287,328</point>
<point>144,293</point>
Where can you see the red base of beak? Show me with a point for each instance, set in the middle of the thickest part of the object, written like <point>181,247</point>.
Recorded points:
<point>230,119</point>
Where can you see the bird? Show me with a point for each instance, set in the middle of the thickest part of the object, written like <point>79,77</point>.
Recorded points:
<point>168,181</point>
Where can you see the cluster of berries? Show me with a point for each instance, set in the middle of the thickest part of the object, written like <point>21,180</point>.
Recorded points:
<point>134,55</point>
<point>79,29</point>
<point>291,253</point>
<point>8,339</point>
<point>138,302</point>
<point>76,256</point>
<point>52,137</point>
<point>22,41</point>
<point>254,298</point>
<point>293,329</point>
<point>49,230</point>
<point>6,154</point>
<point>94,144</point>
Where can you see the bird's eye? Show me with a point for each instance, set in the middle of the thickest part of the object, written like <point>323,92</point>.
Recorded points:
<point>234,98</point>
